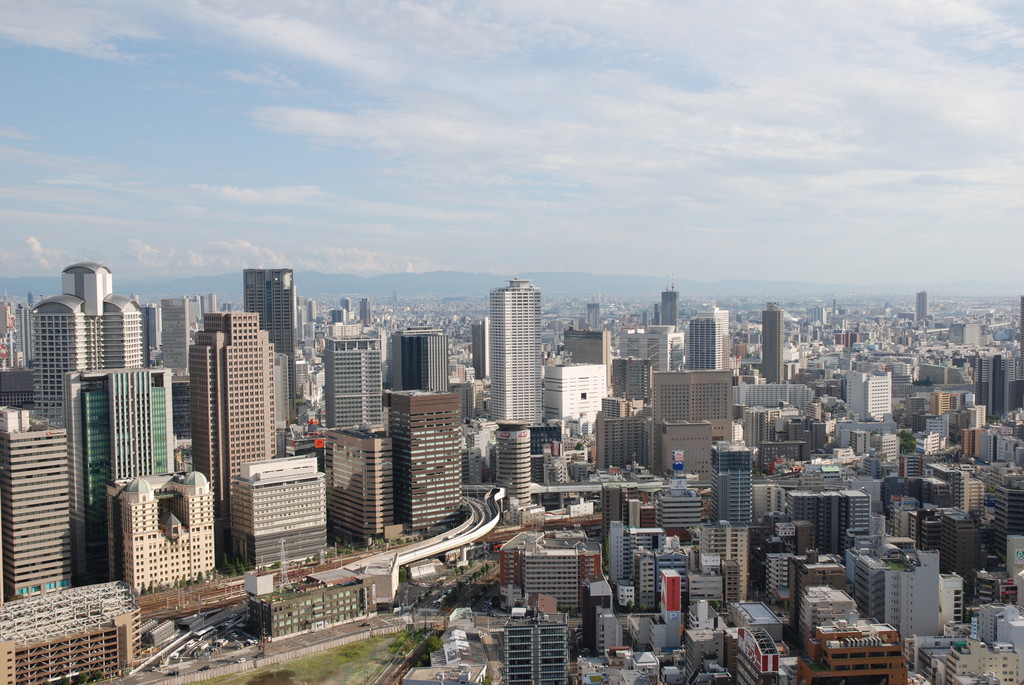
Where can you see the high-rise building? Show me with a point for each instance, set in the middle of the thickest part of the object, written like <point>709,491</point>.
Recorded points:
<point>87,327</point>
<point>512,460</point>
<point>161,529</point>
<point>360,486</point>
<point>730,541</point>
<point>151,317</point>
<point>670,307</point>
<point>36,556</point>
<point>536,650</point>
<point>120,426</point>
<point>174,333</point>
<point>589,347</point>
<point>594,316</point>
<point>574,392</point>
<point>1020,326</point>
<point>708,343</point>
<point>419,359</point>
<point>271,294</point>
<point>869,395</point>
<point>365,313</point>
<point>231,370</point>
<point>631,378</point>
<point>730,482</point>
<point>275,503</point>
<point>690,397</point>
<point>515,352</point>
<point>997,383</point>
<point>773,324</point>
<point>426,441</point>
<point>921,306</point>
<point>353,383</point>
<point>481,333</point>
<point>662,345</point>
<point>551,563</point>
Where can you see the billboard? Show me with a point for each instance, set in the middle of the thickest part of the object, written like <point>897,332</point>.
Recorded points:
<point>765,663</point>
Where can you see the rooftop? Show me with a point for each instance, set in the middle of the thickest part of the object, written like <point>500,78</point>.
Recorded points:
<point>66,613</point>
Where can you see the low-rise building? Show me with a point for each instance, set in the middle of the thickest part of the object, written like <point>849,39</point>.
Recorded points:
<point>865,652</point>
<point>552,563</point>
<point>320,601</point>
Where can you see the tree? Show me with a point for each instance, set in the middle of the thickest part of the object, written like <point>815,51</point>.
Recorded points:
<point>908,443</point>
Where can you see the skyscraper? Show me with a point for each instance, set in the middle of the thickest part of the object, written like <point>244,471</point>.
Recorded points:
<point>427,457</point>
<point>365,313</point>
<point>708,343</point>
<point>88,327</point>
<point>731,483</point>
<point>772,339</point>
<point>119,426</point>
<point>360,484</point>
<point>515,352</point>
<point>670,307</point>
<point>174,333</point>
<point>512,460</point>
<point>33,506</point>
<point>271,294</point>
<point>352,383</point>
<point>419,359</point>
<point>481,332</point>
<point>593,316</point>
<point>231,366</point>
<point>921,306</point>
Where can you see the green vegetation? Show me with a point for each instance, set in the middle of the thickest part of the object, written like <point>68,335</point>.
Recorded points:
<point>908,443</point>
<point>352,664</point>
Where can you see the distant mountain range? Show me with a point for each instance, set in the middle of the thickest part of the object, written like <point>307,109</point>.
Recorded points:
<point>477,285</point>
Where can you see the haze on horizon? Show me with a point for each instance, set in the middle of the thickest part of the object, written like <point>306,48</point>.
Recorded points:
<point>874,141</point>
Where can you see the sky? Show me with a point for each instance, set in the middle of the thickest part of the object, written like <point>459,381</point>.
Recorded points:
<point>878,140</point>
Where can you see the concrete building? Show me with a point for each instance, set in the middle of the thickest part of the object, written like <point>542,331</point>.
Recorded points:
<point>419,359</point>
<point>91,630</point>
<point>623,541</point>
<point>731,483</point>
<point>87,327</point>
<point>553,564</point>
<point>320,601</point>
<point>669,307</point>
<point>481,343</point>
<point>623,436</point>
<point>536,650</point>
<point>772,394</point>
<point>174,334</point>
<point>773,339</point>
<point>631,378</point>
<point>593,346</point>
<point>593,316</point>
<point>360,489</point>
<point>353,383</point>
<point>835,651</point>
<point>515,352</point>
<point>574,392</point>
<point>119,425</point>
<point>729,542</point>
<point>708,346</point>
<point>34,506</point>
<point>921,306</point>
<point>833,512</point>
<point>811,569</point>
<point>822,605</point>
<point>663,346</point>
<point>278,501</point>
<point>426,456</point>
<point>690,397</point>
<point>161,530</point>
<point>271,294</point>
<point>231,372</point>
<point>869,395</point>
<point>512,460</point>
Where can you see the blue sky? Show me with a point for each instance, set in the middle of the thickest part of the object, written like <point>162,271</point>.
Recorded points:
<point>815,140</point>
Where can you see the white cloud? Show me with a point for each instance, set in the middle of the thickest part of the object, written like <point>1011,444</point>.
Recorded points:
<point>91,30</point>
<point>264,77</point>
<point>45,258</point>
<point>285,195</point>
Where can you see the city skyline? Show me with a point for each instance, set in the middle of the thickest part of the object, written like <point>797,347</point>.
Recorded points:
<point>189,139</point>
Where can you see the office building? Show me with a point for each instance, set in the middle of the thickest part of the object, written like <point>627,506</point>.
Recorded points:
<point>360,490</point>
<point>161,530</point>
<point>632,378</point>
<point>730,542</point>
<point>271,294</point>
<point>319,601</point>
<point>426,443</point>
<point>515,352</point>
<point>120,425</point>
<point>365,313</point>
<point>536,650</point>
<point>588,347</point>
<point>36,551</point>
<point>959,543</point>
<point>16,388</point>
<point>900,587</point>
<point>833,513</point>
<point>574,393</point>
<point>806,571</point>
<point>996,383</point>
<point>419,359</point>
<point>669,307</point>
<point>84,630</point>
<point>481,341</point>
<point>231,370</point>
<point>87,327</point>
<point>1009,516</point>
<point>278,508</point>
<point>869,395</point>
<point>690,397</point>
<point>353,383</point>
<point>174,334</point>
<point>921,306</point>
<point>593,316</point>
<point>662,345</point>
<point>709,345</point>
<point>837,649</point>
<point>553,564</point>
<point>731,482</point>
<point>512,460</point>
<point>773,331</point>
<point>623,435</point>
